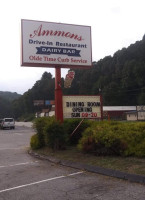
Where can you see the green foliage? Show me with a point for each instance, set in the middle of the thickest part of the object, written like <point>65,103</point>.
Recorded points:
<point>6,99</point>
<point>51,133</point>
<point>99,138</point>
<point>58,135</point>
<point>55,136</point>
<point>39,125</point>
<point>35,142</point>
<point>121,77</point>
<point>70,125</point>
<point>43,89</point>
<point>114,138</point>
<point>9,95</point>
<point>27,117</point>
<point>5,108</point>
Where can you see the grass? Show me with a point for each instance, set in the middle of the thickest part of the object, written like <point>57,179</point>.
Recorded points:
<point>126,164</point>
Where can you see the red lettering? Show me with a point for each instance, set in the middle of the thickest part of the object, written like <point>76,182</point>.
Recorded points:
<point>80,38</point>
<point>50,33</point>
<point>59,33</point>
<point>36,32</point>
<point>38,58</point>
<point>68,34</point>
<point>40,32</point>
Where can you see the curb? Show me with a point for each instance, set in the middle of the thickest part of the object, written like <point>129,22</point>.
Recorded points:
<point>95,169</point>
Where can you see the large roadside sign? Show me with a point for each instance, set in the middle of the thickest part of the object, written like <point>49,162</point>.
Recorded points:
<point>82,107</point>
<point>47,44</point>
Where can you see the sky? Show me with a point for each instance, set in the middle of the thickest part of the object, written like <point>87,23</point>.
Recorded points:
<point>114,24</point>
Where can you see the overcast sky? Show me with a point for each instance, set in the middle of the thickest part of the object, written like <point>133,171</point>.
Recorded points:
<point>115,24</point>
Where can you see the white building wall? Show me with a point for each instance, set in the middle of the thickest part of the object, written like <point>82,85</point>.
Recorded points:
<point>132,117</point>
<point>141,115</point>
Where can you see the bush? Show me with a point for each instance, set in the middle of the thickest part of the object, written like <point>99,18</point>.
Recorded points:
<point>35,142</point>
<point>39,125</point>
<point>70,125</point>
<point>101,143</point>
<point>114,138</point>
<point>50,133</point>
<point>99,138</point>
<point>55,136</point>
<point>27,117</point>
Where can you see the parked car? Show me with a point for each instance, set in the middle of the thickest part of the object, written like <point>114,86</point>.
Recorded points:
<point>1,120</point>
<point>8,123</point>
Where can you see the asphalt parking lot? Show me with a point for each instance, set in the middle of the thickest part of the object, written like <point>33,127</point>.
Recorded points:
<point>25,177</point>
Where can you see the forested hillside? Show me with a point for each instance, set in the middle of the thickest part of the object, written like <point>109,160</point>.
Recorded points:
<point>120,79</point>
<point>6,99</point>
<point>9,95</point>
<point>43,89</point>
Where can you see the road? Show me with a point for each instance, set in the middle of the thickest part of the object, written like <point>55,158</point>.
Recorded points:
<point>23,177</point>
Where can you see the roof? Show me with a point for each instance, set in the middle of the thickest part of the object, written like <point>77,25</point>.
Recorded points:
<point>119,108</point>
<point>131,112</point>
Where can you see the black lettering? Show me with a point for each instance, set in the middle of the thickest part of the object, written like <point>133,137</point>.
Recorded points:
<point>77,115</point>
<point>93,104</point>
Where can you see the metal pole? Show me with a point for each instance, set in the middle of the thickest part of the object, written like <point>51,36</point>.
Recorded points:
<point>58,95</point>
<point>101,101</point>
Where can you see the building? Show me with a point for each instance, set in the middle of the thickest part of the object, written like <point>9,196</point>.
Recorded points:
<point>129,113</point>
<point>131,116</point>
<point>140,112</point>
<point>117,112</point>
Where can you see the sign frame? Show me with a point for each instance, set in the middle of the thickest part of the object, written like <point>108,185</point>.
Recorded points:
<point>89,115</point>
<point>78,55</point>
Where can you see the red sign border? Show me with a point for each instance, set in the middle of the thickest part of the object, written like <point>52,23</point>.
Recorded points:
<point>27,64</point>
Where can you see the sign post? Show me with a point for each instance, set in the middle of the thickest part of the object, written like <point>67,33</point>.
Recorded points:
<point>58,95</point>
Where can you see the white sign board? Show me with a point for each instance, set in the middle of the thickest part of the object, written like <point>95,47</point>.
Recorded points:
<point>141,115</point>
<point>141,108</point>
<point>141,112</point>
<point>46,44</point>
<point>82,107</point>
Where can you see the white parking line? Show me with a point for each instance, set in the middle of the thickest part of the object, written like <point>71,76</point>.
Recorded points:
<point>10,148</point>
<point>19,148</point>
<point>18,164</point>
<point>42,181</point>
<point>18,134</point>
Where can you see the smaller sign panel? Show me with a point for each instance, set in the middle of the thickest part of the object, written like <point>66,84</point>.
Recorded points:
<point>68,79</point>
<point>82,107</point>
<point>141,108</point>
<point>38,102</point>
<point>49,102</point>
<point>141,115</point>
